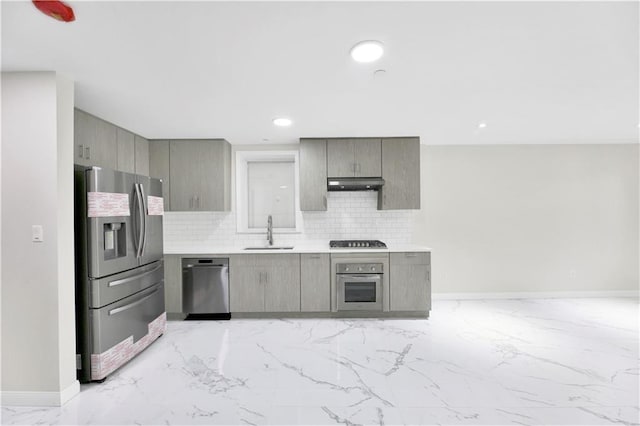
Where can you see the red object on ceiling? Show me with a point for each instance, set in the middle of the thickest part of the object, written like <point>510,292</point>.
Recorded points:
<point>56,9</point>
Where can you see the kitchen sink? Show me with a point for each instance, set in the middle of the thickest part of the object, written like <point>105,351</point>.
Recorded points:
<point>268,248</point>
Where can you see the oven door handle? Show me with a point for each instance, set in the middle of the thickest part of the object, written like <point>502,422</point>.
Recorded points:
<point>367,277</point>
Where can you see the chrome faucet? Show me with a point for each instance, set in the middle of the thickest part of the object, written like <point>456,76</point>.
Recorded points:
<point>270,230</point>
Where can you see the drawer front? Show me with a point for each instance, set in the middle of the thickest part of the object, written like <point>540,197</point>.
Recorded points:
<point>128,317</point>
<point>410,258</point>
<point>279,260</point>
<point>107,290</point>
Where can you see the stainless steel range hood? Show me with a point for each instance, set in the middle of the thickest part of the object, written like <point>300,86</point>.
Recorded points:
<point>354,184</point>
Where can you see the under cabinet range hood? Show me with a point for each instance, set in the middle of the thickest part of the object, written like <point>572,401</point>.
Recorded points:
<point>355,184</point>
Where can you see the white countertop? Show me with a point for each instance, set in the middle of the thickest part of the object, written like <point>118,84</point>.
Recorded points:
<point>220,250</point>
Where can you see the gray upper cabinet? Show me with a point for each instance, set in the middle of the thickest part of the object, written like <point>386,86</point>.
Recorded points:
<point>141,156</point>
<point>355,157</point>
<point>159,168</point>
<point>401,173</point>
<point>126,151</point>
<point>94,141</point>
<point>200,175</point>
<point>410,281</point>
<point>84,135</point>
<point>313,174</point>
<point>315,282</point>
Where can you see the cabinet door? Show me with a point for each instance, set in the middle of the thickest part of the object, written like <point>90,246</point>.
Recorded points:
<point>315,282</point>
<point>200,175</point>
<point>368,157</point>
<point>401,174</point>
<point>126,151</point>
<point>409,282</point>
<point>246,284</point>
<point>188,170</point>
<point>84,136</point>
<point>282,290</point>
<point>173,283</point>
<point>340,158</point>
<point>104,152</point>
<point>142,156</point>
<point>313,175</point>
<point>159,168</point>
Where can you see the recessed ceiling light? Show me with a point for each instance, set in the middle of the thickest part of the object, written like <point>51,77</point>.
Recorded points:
<point>282,122</point>
<point>482,125</point>
<point>367,51</point>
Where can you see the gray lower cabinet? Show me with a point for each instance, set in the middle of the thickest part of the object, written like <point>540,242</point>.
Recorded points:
<point>126,151</point>
<point>410,281</point>
<point>401,173</point>
<point>315,282</point>
<point>200,175</point>
<point>141,156</point>
<point>173,283</point>
<point>264,283</point>
<point>159,168</point>
<point>313,174</point>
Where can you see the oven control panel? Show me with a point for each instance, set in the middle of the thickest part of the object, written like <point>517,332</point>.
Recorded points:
<point>359,268</point>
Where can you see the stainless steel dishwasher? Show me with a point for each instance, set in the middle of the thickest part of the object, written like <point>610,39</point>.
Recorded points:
<point>205,287</point>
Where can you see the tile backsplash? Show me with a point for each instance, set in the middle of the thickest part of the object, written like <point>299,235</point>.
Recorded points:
<point>349,215</point>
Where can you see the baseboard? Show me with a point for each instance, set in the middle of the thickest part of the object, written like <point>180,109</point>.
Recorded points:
<point>40,399</point>
<point>536,295</point>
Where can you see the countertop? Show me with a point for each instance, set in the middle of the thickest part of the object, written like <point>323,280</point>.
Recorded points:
<point>221,250</point>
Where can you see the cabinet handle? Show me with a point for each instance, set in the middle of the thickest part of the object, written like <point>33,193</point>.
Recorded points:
<point>198,202</point>
<point>314,256</point>
<point>324,201</point>
<point>429,275</point>
<point>411,254</point>
<point>81,151</point>
<point>191,202</point>
<point>384,200</point>
<point>87,153</point>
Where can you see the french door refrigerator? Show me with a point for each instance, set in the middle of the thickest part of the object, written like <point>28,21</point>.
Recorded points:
<point>119,268</point>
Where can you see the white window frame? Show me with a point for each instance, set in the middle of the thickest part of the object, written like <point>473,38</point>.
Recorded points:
<point>244,157</point>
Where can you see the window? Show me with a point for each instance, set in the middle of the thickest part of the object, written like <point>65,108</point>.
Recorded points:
<point>266,185</point>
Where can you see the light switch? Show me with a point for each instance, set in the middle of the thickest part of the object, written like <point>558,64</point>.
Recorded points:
<point>37,235</point>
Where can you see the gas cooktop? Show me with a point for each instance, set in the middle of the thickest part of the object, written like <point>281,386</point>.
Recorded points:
<point>357,244</point>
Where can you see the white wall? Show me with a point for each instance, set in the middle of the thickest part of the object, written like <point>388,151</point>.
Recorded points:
<point>38,327</point>
<point>532,218</point>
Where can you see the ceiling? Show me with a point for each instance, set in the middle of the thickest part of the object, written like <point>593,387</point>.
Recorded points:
<point>534,72</point>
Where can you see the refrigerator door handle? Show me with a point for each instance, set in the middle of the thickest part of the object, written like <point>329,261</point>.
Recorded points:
<point>140,220</point>
<point>143,215</point>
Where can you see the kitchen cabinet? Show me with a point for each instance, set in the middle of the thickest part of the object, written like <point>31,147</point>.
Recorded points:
<point>94,141</point>
<point>200,175</point>
<point>264,283</point>
<point>159,168</point>
<point>173,283</point>
<point>410,281</point>
<point>401,174</point>
<point>354,157</point>
<point>315,282</point>
<point>313,174</point>
<point>126,151</point>
<point>141,156</point>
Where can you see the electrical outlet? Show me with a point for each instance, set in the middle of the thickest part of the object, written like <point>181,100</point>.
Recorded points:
<point>572,273</point>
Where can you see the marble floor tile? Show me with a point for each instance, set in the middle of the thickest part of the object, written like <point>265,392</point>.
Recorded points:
<point>476,362</point>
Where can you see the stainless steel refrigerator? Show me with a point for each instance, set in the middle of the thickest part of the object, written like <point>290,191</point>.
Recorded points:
<point>119,268</point>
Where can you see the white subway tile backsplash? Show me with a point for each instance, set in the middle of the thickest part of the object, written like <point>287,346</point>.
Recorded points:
<point>349,215</point>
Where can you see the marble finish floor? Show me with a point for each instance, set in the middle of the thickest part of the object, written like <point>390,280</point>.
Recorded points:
<point>492,362</point>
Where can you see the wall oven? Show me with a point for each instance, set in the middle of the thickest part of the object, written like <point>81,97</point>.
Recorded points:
<point>359,286</point>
